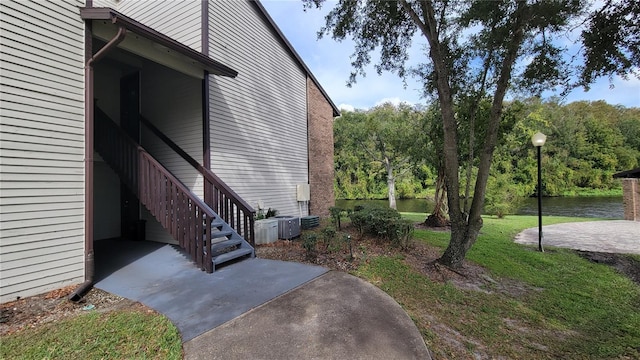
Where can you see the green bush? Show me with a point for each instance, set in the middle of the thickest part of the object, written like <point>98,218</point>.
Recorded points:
<point>336,214</point>
<point>309,242</point>
<point>400,233</point>
<point>327,237</point>
<point>272,213</point>
<point>383,223</point>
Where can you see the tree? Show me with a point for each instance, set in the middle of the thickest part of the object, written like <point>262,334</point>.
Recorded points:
<point>380,134</point>
<point>465,38</point>
<point>356,178</point>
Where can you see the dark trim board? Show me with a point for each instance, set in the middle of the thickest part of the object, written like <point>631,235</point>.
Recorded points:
<point>107,14</point>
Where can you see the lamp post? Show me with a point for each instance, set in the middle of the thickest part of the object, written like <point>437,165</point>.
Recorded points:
<point>538,140</point>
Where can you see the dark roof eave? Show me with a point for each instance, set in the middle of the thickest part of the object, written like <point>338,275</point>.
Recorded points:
<point>212,66</point>
<point>336,111</point>
<point>633,173</point>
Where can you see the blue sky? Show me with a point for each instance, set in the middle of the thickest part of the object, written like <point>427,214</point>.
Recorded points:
<point>330,63</point>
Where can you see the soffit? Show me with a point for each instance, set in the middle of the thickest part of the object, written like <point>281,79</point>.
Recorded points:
<point>148,43</point>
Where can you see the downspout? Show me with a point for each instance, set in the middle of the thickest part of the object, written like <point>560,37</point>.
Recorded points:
<point>89,260</point>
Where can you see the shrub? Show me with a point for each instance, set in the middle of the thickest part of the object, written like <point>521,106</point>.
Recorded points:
<point>327,237</point>
<point>309,241</point>
<point>401,233</point>
<point>336,214</point>
<point>383,223</point>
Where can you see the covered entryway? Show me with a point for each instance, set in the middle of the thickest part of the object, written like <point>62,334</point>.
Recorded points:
<point>147,138</point>
<point>128,89</point>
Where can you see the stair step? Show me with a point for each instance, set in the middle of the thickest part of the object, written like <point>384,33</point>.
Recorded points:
<point>217,224</point>
<point>231,255</point>
<point>225,244</point>
<point>223,235</point>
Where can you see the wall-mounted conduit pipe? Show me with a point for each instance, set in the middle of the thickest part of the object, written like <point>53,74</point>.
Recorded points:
<point>89,260</point>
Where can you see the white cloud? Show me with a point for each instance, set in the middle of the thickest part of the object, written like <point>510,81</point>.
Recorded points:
<point>393,100</point>
<point>346,107</point>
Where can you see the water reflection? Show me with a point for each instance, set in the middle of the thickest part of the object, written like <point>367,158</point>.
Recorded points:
<point>609,207</point>
<point>592,207</point>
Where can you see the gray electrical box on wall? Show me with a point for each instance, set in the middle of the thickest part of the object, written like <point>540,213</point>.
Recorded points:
<point>303,193</point>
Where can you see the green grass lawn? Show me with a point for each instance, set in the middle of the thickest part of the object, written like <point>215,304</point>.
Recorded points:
<point>570,307</point>
<point>113,335</point>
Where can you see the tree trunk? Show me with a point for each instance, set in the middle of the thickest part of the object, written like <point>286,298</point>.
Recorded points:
<point>463,236</point>
<point>391,184</point>
<point>437,218</point>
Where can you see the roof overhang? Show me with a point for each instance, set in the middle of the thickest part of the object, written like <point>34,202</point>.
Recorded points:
<point>633,174</point>
<point>148,43</point>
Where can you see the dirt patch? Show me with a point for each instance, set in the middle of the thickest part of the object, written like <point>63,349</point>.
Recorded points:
<point>625,264</point>
<point>53,306</point>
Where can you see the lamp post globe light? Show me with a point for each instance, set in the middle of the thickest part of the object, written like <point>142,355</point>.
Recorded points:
<point>538,139</point>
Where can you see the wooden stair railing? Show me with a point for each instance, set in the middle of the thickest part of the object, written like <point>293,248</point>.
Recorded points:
<point>189,220</point>
<point>223,200</point>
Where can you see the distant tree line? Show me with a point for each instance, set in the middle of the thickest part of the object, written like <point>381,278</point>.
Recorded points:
<point>587,142</point>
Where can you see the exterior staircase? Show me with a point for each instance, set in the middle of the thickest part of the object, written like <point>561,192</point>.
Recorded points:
<point>199,230</point>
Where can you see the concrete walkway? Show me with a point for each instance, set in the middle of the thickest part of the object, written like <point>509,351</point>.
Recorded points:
<point>258,308</point>
<point>615,236</point>
<point>336,316</point>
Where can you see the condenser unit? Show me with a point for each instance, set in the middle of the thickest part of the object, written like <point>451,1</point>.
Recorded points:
<point>288,227</point>
<point>266,231</point>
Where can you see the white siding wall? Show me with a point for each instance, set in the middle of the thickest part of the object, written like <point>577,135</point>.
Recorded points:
<point>41,146</point>
<point>173,102</point>
<point>259,119</point>
<point>179,20</point>
<point>106,3</point>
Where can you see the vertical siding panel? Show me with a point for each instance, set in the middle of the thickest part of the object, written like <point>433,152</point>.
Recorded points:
<point>259,119</point>
<point>41,152</point>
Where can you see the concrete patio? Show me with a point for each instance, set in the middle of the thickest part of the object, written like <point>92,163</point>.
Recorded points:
<point>614,236</point>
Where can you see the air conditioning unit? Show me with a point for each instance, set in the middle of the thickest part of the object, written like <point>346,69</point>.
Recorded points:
<point>288,227</point>
<point>266,231</point>
<point>309,222</point>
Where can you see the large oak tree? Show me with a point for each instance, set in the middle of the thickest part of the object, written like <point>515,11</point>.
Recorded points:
<point>482,49</point>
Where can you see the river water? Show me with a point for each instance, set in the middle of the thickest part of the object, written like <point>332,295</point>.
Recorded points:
<point>609,207</point>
